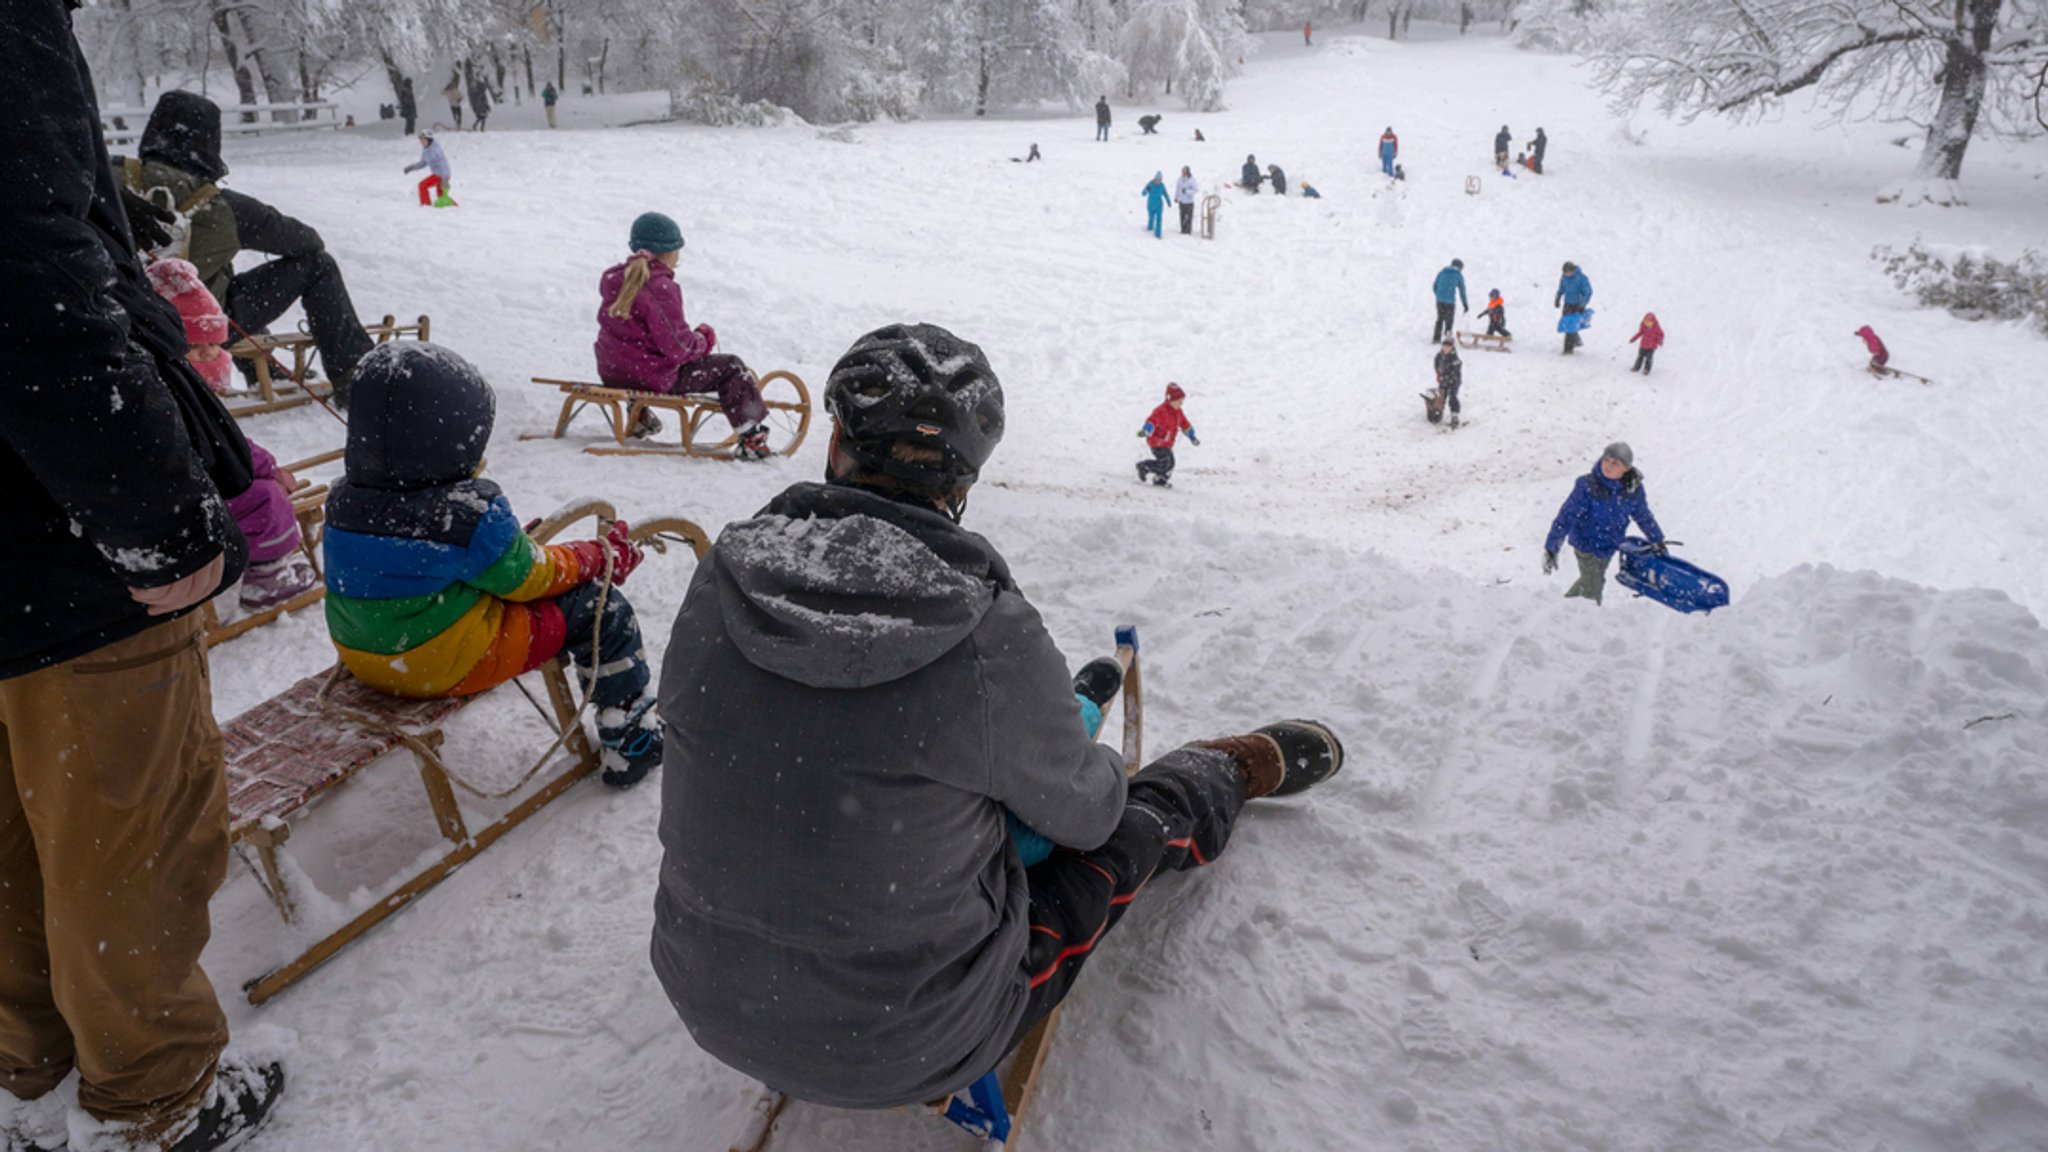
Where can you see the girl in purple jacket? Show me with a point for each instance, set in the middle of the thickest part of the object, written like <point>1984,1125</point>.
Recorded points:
<point>645,344</point>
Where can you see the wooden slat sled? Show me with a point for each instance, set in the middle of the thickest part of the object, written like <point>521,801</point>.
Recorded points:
<point>704,429</point>
<point>995,1117</point>
<point>274,395</point>
<point>286,753</point>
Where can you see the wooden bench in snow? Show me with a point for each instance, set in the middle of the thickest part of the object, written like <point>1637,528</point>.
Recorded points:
<point>232,123</point>
<point>273,395</point>
<point>292,749</point>
<point>704,428</point>
<point>309,506</point>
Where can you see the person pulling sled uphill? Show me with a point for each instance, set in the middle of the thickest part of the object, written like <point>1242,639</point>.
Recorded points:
<point>1149,125</point>
<point>1496,313</point>
<point>1450,375</point>
<point>1166,422</point>
<point>1449,290</point>
<point>434,589</point>
<point>1595,519</point>
<point>1574,292</point>
<point>1879,355</point>
<point>858,698</point>
<point>644,342</point>
<point>1649,335</point>
<point>180,155</point>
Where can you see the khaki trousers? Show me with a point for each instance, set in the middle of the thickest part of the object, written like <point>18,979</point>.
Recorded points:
<point>1592,579</point>
<point>113,838</point>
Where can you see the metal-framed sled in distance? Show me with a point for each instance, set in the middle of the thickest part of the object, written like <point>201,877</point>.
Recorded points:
<point>289,751</point>
<point>787,399</point>
<point>1668,580</point>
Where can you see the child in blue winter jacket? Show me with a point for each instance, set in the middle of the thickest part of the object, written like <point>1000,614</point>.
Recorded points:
<point>433,189</point>
<point>1595,518</point>
<point>1157,196</point>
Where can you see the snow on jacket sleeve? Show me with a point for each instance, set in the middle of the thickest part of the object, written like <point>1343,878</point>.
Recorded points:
<point>1639,507</point>
<point>1043,765</point>
<point>82,408</point>
<point>1573,508</point>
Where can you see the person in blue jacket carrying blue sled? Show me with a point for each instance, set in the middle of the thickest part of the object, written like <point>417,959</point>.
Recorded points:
<point>1595,518</point>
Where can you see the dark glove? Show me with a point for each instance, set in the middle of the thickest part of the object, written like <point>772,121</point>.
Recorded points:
<point>1549,562</point>
<point>148,220</point>
<point>1657,548</point>
<point>710,336</point>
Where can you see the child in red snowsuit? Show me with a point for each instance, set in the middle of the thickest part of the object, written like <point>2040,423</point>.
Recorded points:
<point>1166,422</point>
<point>1878,356</point>
<point>1651,334</point>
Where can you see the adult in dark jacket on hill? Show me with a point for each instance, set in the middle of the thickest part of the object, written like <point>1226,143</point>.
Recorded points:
<point>114,461</point>
<point>1595,519</point>
<point>1249,177</point>
<point>180,153</point>
<point>858,700</point>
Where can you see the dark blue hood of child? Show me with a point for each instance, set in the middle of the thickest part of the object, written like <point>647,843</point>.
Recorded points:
<point>419,419</point>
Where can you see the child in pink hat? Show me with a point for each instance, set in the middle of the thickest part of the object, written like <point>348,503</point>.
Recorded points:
<point>264,513</point>
<point>206,326</point>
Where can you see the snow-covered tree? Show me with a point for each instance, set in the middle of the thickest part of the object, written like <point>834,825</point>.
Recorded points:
<point>1192,45</point>
<point>1957,66</point>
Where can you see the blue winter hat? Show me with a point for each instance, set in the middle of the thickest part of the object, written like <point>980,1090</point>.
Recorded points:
<point>654,232</point>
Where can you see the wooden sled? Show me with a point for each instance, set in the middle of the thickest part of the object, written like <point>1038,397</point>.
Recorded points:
<point>1433,406</point>
<point>1482,340</point>
<point>309,507</point>
<point>1018,1074</point>
<point>277,395</point>
<point>287,752</point>
<point>787,399</point>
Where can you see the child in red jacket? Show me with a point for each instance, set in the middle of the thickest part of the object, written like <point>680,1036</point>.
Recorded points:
<point>1651,334</point>
<point>1879,357</point>
<point>1166,422</point>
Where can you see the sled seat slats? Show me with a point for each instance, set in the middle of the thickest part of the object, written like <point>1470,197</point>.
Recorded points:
<point>277,395</point>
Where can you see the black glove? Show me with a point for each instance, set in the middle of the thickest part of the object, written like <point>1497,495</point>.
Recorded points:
<point>1549,562</point>
<point>1657,548</point>
<point>146,219</point>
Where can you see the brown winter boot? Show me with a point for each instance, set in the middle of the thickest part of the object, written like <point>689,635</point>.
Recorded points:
<point>1282,759</point>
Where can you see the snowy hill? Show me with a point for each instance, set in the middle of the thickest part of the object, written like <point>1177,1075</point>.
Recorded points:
<point>1607,878</point>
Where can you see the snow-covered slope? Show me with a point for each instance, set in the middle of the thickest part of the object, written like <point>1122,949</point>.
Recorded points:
<point>1607,878</point>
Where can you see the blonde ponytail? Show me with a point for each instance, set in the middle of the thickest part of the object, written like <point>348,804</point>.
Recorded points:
<point>636,279</point>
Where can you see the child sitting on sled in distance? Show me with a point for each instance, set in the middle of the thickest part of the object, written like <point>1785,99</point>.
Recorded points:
<point>1161,428</point>
<point>433,587</point>
<point>645,344</point>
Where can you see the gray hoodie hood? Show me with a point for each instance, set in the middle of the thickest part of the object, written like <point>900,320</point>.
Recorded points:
<point>836,587</point>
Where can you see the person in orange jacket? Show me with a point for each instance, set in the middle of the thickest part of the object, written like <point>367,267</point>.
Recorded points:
<point>1166,422</point>
<point>1650,335</point>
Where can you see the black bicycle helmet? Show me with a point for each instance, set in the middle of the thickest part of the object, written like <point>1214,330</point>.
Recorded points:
<point>917,384</point>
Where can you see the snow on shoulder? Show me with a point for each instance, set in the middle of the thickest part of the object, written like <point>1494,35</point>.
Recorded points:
<point>846,602</point>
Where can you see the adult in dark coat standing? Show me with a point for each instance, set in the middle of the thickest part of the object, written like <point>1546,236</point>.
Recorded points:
<point>114,461</point>
<point>1536,147</point>
<point>1102,118</point>
<point>408,106</point>
<point>180,151</point>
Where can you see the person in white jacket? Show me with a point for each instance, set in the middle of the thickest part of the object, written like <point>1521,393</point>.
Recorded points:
<point>1184,190</point>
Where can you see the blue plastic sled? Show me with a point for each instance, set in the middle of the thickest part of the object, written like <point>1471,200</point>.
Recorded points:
<point>1668,580</point>
<point>1575,321</point>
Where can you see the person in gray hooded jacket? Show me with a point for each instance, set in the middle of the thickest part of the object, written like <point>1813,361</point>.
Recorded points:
<point>857,698</point>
